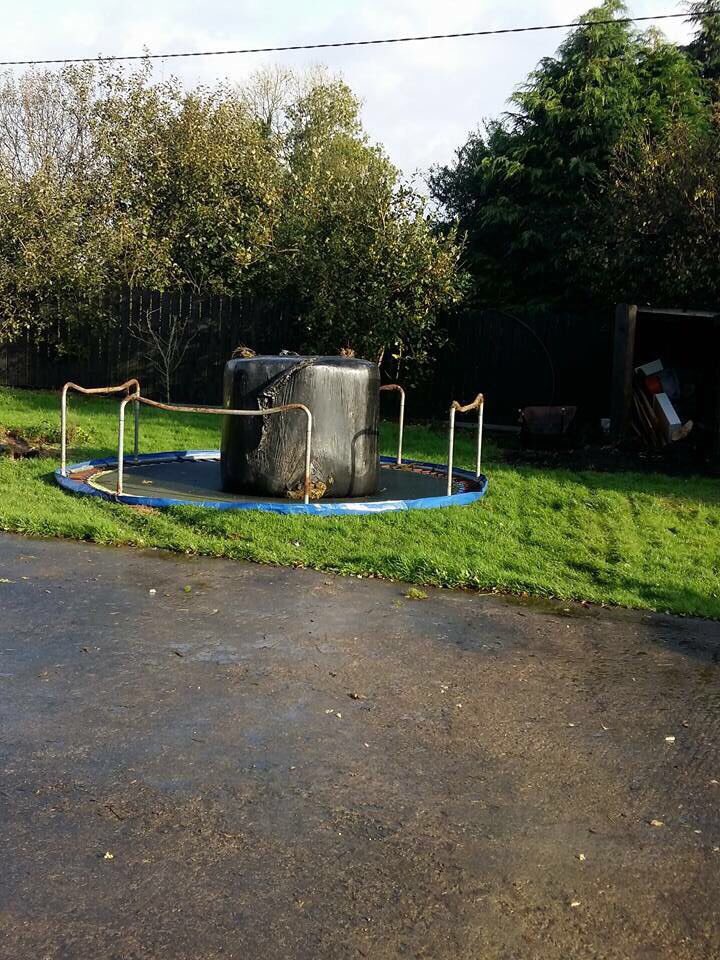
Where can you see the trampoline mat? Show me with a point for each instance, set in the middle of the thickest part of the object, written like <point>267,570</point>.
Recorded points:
<point>199,479</point>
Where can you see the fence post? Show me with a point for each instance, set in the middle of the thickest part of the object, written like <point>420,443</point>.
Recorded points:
<point>622,368</point>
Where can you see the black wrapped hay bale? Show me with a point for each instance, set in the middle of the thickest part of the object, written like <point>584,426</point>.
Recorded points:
<point>266,455</point>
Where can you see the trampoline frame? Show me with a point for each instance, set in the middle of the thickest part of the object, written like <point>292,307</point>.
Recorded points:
<point>317,507</point>
<point>133,395</point>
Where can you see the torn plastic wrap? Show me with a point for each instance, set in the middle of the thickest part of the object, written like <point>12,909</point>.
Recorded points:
<point>266,455</point>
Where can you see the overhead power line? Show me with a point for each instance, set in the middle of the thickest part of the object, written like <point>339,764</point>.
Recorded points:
<point>287,48</point>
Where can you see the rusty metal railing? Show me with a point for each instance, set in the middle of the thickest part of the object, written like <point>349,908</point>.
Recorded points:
<point>399,389</point>
<point>96,391</point>
<point>217,411</point>
<point>477,404</point>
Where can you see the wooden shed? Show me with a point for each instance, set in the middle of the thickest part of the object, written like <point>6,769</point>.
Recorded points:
<point>687,340</point>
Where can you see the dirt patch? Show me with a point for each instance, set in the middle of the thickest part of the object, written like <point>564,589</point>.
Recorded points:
<point>15,445</point>
<point>39,440</point>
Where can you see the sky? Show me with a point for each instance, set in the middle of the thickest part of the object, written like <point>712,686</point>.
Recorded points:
<point>420,100</point>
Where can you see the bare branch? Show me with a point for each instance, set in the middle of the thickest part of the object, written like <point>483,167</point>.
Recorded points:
<point>166,343</point>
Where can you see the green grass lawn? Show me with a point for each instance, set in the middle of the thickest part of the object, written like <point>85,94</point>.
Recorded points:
<point>641,540</point>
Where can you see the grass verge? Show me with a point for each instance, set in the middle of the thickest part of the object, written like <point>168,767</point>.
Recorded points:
<point>640,540</point>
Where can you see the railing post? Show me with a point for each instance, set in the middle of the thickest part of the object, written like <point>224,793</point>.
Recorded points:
<point>136,411</point>
<point>308,444</point>
<point>478,464</point>
<point>396,386</point>
<point>63,431</point>
<point>451,450</point>
<point>121,446</point>
<point>402,425</point>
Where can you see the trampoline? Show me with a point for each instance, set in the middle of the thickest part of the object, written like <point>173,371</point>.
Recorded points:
<point>193,477</point>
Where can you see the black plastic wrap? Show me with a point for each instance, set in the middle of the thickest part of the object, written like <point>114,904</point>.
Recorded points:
<point>266,455</point>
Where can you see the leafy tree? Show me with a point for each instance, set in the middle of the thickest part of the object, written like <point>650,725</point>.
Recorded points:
<point>51,256</point>
<point>527,188</point>
<point>272,189</point>
<point>45,123</point>
<point>200,182</point>
<point>656,238</point>
<point>355,250</point>
<point>662,245</point>
<point>58,233</point>
<point>705,46</point>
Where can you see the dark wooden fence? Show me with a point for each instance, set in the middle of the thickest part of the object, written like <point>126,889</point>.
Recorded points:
<point>112,353</point>
<point>537,356</point>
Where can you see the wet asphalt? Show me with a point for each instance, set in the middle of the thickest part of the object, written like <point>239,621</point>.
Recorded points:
<point>205,759</point>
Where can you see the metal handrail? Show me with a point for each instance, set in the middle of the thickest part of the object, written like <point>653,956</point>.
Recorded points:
<point>218,411</point>
<point>396,386</point>
<point>477,404</point>
<point>120,388</point>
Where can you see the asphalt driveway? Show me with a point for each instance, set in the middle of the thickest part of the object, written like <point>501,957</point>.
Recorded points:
<point>205,759</point>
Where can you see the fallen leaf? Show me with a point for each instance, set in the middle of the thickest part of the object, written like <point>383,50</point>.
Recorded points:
<point>414,594</point>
